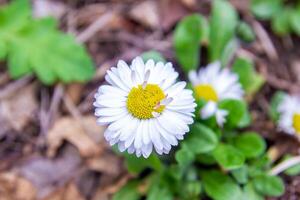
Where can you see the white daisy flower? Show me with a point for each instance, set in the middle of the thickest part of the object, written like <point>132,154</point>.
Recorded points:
<point>143,107</point>
<point>289,109</point>
<point>213,84</point>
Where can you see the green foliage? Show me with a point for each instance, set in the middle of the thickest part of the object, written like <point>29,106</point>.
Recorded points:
<point>128,192</point>
<point>245,32</point>
<point>159,192</point>
<point>265,9</point>
<point>137,165</point>
<point>249,192</point>
<point>201,139</point>
<point>228,157</point>
<point>250,144</point>
<point>240,175</point>
<point>237,110</point>
<point>36,46</point>
<point>292,171</point>
<point>221,33</point>
<point>295,20</point>
<point>285,19</point>
<point>222,163</point>
<point>248,77</point>
<point>155,55</point>
<point>275,101</point>
<point>280,22</point>
<point>187,37</point>
<point>269,185</point>
<point>219,186</point>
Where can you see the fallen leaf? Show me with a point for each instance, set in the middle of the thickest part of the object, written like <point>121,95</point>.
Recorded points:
<point>48,174</point>
<point>84,135</point>
<point>74,92</point>
<point>146,13</point>
<point>15,187</point>
<point>107,163</point>
<point>17,110</point>
<point>171,12</point>
<point>69,192</point>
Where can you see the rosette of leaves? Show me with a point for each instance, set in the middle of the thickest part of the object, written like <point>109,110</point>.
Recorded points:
<point>37,46</point>
<point>221,40</point>
<point>284,18</point>
<point>219,163</point>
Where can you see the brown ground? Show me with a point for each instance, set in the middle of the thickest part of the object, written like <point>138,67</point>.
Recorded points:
<point>50,146</point>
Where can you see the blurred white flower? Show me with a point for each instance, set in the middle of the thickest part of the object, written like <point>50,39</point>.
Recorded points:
<point>213,84</point>
<point>289,109</point>
<point>143,107</point>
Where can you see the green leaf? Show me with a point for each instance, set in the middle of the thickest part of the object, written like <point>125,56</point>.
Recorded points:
<point>12,17</point>
<point>250,80</point>
<point>265,9</point>
<point>228,157</point>
<point>281,22</point>
<point>240,174</point>
<point>184,156</point>
<point>219,186</point>
<point>237,110</point>
<point>245,121</point>
<point>245,32</point>
<point>295,20</point>
<point>294,170</point>
<point>187,37</point>
<point>221,33</point>
<point>275,101</point>
<point>251,144</point>
<point>159,192</point>
<point>201,139</point>
<point>206,159</point>
<point>128,192</point>
<point>137,165</point>
<point>269,185</point>
<point>191,189</point>
<point>229,51</point>
<point>155,55</point>
<point>249,193</point>
<point>36,45</point>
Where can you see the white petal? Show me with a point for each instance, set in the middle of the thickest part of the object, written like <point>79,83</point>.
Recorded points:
<point>208,110</point>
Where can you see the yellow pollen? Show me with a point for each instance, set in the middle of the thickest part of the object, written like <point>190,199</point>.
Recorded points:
<point>206,92</point>
<point>296,122</point>
<point>142,102</point>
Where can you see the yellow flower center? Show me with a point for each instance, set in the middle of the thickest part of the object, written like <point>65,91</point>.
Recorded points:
<point>206,92</point>
<point>296,122</point>
<point>142,102</point>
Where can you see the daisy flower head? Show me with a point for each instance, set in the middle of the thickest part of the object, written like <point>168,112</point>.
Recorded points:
<point>143,107</point>
<point>213,84</point>
<point>289,110</point>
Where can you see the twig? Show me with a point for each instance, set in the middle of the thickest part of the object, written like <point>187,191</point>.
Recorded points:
<point>14,86</point>
<point>285,165</point>
<point>55,101</point>
<point>95,27</point>
<point>265,41</point>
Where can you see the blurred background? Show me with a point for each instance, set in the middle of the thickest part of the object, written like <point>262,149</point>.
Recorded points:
<point>50,145</point>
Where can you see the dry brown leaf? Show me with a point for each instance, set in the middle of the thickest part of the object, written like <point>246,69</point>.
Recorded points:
<point>18,110</point>
<point>14,187</point>
<point>48,174</point>
<point>74,92</point>
<point>146,13</point>
<point>69,192</point>
<point>84,135</point>
<point>106,163</point>
<point>171,11</point>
